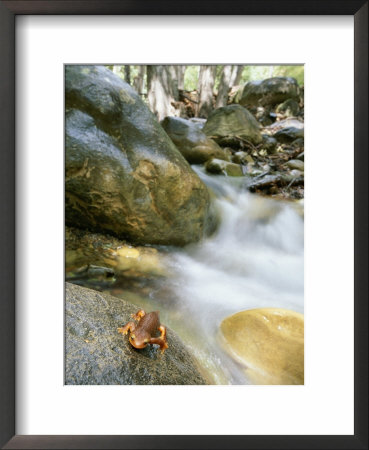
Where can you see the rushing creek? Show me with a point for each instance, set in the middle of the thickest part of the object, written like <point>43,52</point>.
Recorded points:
<point>254,260</point>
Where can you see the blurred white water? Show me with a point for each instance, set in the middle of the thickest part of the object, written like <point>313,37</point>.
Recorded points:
<point>254,260</point>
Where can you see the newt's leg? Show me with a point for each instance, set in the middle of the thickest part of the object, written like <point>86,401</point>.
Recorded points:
<point>130,326</point>
<point>161,340</point>
<point>139,314</point>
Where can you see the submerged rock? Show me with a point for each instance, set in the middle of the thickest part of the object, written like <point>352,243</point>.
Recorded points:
<point>97,354</point>
<point>218,166</point>
<point>124,175</point>
<point>268,92</point>
<point>233,120</point>
<point>269,342</point>
<point>194,145</point>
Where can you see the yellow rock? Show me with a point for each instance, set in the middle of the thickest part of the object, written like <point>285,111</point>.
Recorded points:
<point>269,342</point>
<point>128,252</point>
<point>137,261</point>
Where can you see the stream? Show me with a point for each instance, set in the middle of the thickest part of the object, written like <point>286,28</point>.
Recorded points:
<point>254,260</point>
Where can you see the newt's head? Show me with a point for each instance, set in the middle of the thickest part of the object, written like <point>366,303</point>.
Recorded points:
<point>139,340</point>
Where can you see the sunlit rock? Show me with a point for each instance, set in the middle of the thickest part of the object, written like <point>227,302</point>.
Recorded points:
<point>233,120</point>
<point>137,261</point>
<point>268,342</point>
<point>123,174</point>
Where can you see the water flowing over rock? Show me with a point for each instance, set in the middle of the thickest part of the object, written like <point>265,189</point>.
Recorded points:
<point>194,145</point>
<point>268,92</point>
<point>124,175</point>
<point>97,354</point>
<point>269,342</point>
<point>233,120</point>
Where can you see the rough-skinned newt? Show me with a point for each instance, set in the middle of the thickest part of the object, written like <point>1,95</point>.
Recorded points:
<point>143,333</point>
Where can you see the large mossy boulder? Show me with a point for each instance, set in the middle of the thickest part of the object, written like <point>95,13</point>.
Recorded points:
<point>268,342</point>
<point>233,120</point>
<point>124,175</point>
<point>270,91</point>
<point>95,353</point>
<point>193,143</point>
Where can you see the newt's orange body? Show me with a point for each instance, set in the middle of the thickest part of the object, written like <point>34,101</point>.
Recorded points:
<point>143,333</point>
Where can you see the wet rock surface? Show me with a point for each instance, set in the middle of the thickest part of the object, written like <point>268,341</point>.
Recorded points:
<point>269,342</point>
<point>124,176</point>
<point>97,354</point>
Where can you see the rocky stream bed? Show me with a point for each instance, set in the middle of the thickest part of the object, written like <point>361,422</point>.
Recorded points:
<point>201,220</point>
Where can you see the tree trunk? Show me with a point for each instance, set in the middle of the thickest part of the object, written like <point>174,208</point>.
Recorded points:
<point>236,75</point>
<point>224,86</point>
<point>180,76</point>
<point>205,89</point>
<point>127,74</point>
<point>139,80</point>
<point>161,91</point>
<point>116,70</point>
<point>173,81</point>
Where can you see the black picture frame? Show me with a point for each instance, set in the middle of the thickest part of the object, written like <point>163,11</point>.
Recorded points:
<point>8,12</point>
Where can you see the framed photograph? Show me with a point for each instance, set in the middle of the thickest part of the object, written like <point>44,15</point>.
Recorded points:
<point>162,242</point>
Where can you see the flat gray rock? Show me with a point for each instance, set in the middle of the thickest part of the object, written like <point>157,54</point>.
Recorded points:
<point>97,354</point>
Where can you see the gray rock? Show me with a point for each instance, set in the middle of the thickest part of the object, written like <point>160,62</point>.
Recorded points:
<point>198,121</point>
<point>289,108</point>
<point>287,130</point>
<point>296,173</point>
<point>298,143</point>
<point>97,354</point>
<point>285,123</point>
<point>269,143</point>
<point>218,166</point>
<point>240,158</point>
<point>296,164</point>
<point>289,134</point>
<point>301,156</point>
<point>267,92</point>
<point>233,120</point>
<point>194,145</point>
<point>124,175</point>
